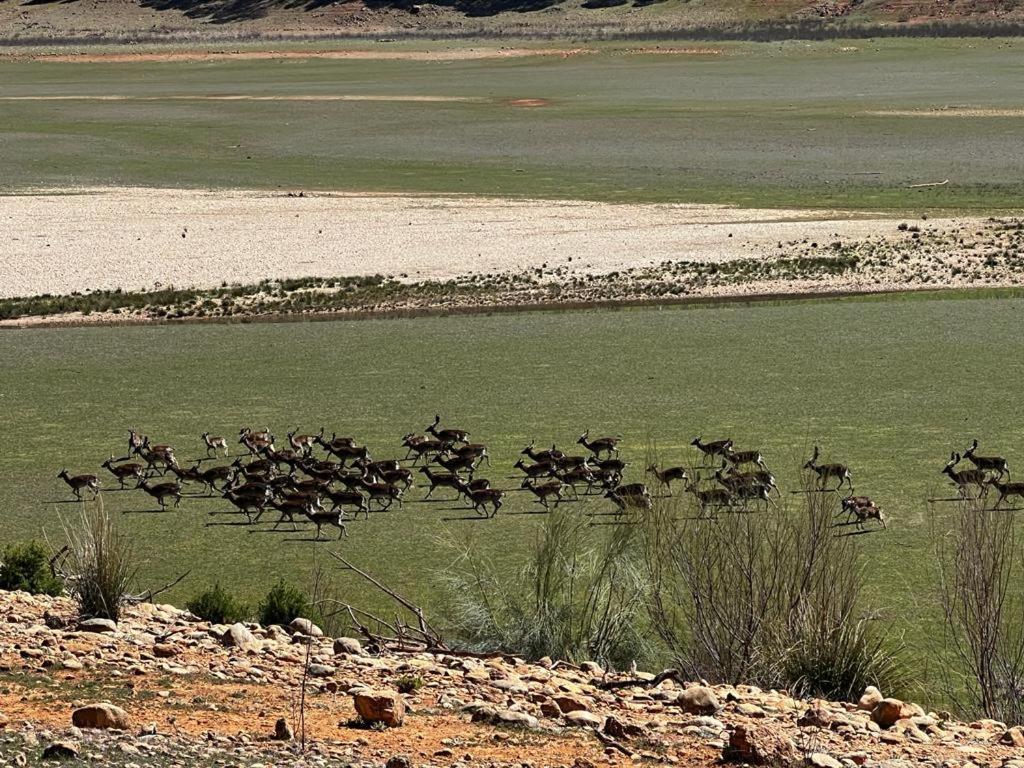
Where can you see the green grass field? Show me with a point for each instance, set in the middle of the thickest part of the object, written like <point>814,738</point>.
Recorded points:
<point>890,387</point>
<point>759,125</point>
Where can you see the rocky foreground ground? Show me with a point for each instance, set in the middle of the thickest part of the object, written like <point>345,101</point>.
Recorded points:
<point>164,688</point>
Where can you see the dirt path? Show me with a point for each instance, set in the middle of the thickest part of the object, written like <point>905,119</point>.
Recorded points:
<point>145,238</point>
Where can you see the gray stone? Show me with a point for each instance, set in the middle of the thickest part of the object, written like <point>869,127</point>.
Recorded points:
<point>97,625</point>
<point>583,719</point>
<point>348,645</point>
<point>698,700</point>
<point>61,750</point>
<point>237,636</point>
<point>305,627</point>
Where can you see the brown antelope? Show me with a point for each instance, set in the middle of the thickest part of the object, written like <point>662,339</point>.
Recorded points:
<point>345,453</point>
<point>760,476</point>
<point>476,451</point>
<point>340,499</point>
<point>1007,489</point>
<point>448,436</point>
<point>297,505</point>
<point>302,444</point>
<point>479,499</point>
<point>668,475</point>
<point>161,491</point>
<point>533,471</point>
<point>824,471</point>
<point>862,509</point>
<point>78,482</point>
<point>465,487</point>
<point>321,517</point>
<point>456,464</point>
<point>123,471</point>
<point>190,475</point>
<point>255,443</point>
<point>420,446</point>
<point>249,500</point>
<point>995,464</point>
<point>287,457</point>
<point>739,458</point>
<point>964,477</point>
<point>440,480</point>
<point>581,475</point>
<point>626,501</point>
<point>385,495</point>
<point>214,444</point>
<point>712,449</point>
<point>710,497</point>
<point>744,487</point>
<point>597,446</point>
<point>552,454</point>
<point>248,432</point>
<point>156,454</point>
<point>334,442</point>
<point>209,477</point>
<point>544,492</point>
<point>135,441</point>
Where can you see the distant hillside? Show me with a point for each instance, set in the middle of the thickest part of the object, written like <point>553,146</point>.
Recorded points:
<point>144,20</point>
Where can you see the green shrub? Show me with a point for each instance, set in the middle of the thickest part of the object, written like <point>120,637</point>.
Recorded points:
<point>217,605</point>
<point>408,684</point>
<point>283,603</point>
<point>26,567</point>
<point>102,563</point>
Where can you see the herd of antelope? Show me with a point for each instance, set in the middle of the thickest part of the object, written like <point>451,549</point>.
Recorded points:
<point>985,472</point>
<point>321,480</point>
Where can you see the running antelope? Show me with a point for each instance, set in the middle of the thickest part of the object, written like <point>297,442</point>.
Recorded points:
<point>551,454</point>
<point>625,501</point>
<point>739,458</point>
<point>340,499</point>
<point>447,435</point>
<point>440,480</point>
<point>123,471</point>
<point>321,517</point>
<point>545,491</point>
<point>761,476</point>
<point>825,471</point>
<point>161,491</point>
<point>214,444</point>
<point>481,497</point>
<point>861,509</point>
<point>995,464</point>
<point>744,487</point>
<point>302,444</point>
<point>964,477</point>
<point>78,482</point>
<point>710,497</point>
<point>533,471</point>
<point>1007,489</point>
<point>668,475</point>
<point>597,446</point>
<point>135,441</point>
<point>712,449</point>
<point>420,446</point>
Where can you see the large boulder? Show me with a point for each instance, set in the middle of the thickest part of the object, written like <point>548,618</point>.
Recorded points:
<point>888,711</point>
<point>97,625</point>
<point>305,627</point>
<point>760,745</point>
<point>375,706</point>
<point>348,645</point>
<point>105,716</point>
<point>1013,737</point>
<point>583,719</point>
<point>698,700</point>
<point>869,699</point>
<point>238,636</point>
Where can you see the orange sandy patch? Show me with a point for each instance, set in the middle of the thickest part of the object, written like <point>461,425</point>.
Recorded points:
<point>529,103</point>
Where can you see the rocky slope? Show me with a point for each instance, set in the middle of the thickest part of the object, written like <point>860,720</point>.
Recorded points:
<point>162,688</point>
<point>196,20</point>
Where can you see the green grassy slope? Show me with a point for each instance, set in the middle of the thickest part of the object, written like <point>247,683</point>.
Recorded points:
<point>760,125</point>
<point>889,387</point>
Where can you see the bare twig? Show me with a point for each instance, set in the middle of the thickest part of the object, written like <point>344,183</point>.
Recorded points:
<point>149,594</point>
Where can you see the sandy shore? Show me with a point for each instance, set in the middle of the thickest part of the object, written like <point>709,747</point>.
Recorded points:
<point>145,238</point>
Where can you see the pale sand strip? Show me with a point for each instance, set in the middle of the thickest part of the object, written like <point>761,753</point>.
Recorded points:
<point>133,238</point>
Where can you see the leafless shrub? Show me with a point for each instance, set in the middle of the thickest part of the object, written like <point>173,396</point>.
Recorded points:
<point>981,562</point>
<point>767,596</point>
<point>579,597</point>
